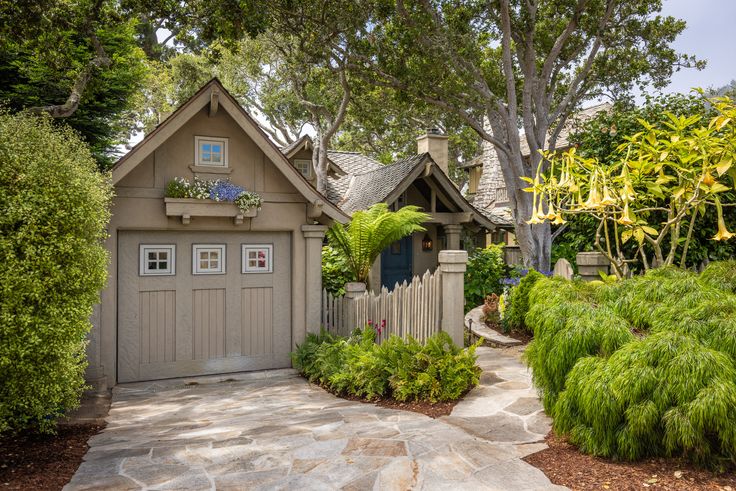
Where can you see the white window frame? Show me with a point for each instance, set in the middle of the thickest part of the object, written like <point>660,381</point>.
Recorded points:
<point>198,140</point>
<point>143,251</point>
<point>245,248</point>
<point>198,248</point>
<point>308,175</point>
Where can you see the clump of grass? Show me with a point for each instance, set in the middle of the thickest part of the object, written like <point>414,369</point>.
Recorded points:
<point>721,275</point>
<point>567,329</point>
<point>642,367</point>
<point>666,395</point>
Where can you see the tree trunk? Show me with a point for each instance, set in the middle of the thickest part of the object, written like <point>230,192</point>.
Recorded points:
<point>319,162</point>
<point>535,241</point>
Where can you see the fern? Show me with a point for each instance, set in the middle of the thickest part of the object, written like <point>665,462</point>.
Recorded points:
<point>370,232</point>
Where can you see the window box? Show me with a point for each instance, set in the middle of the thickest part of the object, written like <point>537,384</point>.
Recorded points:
<point>186,208</point>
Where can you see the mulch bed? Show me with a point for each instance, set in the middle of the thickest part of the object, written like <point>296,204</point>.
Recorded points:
<point>565,465</point>
<point>33,461</point>
<point>522,336</point>
<point>433,410</point>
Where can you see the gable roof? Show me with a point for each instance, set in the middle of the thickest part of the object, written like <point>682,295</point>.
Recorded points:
<point>384,183</point>
<point>213,91</point>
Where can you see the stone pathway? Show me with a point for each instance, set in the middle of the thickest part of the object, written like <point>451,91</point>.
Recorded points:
<point>273,430</point>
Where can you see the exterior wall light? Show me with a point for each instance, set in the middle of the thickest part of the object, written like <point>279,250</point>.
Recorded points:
<point>426,243</point>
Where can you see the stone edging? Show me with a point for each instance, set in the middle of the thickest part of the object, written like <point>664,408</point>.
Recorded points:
<point>473,322</point>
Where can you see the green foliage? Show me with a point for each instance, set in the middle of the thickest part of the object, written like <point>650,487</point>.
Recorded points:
<point>370,232</point>
<point>641,367</point>
<point>656,174</point>
<point>46,46</point>
<point>600,136</point>
<point>518,301</point>
<point>404,370</point>
<point>54,209</point>
<point>486,268</point>
<point>664,395</point>
<point>335,272</point>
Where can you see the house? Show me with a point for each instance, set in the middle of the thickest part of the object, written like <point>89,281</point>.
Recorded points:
<point>355,182</point>
<point>486,188</point>
<point>198,287</point>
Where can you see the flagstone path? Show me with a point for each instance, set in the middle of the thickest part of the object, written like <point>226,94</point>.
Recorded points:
<point>273,430</point>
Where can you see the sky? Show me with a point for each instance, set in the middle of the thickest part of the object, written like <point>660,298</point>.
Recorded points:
<point>710,33</point>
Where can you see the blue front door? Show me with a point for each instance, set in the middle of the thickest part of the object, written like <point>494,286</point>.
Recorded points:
<point>396,263</point>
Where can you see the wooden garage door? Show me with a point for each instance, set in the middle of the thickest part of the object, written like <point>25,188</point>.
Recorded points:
<point>174,322</point>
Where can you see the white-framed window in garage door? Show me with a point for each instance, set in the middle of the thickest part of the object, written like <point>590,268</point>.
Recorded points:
<point>257,258</point>
<point>157,259</point>
<point>208,259</point>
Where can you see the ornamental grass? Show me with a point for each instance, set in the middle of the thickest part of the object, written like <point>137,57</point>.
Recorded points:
<point>640,368</point>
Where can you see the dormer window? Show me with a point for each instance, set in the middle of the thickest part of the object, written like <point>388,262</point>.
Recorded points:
<point>304,166</point>
<point>211,151</point>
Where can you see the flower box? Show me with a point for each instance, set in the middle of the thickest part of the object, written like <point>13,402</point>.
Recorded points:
<point>186,208</point>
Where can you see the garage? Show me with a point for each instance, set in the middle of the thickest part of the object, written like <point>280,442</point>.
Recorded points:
<point>200,303</point>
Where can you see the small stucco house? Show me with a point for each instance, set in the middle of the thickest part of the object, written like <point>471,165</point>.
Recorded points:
<point>198,287</point>
<point>356,181</point>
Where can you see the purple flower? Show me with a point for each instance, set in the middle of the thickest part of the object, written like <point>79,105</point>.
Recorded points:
<point>225,191</point>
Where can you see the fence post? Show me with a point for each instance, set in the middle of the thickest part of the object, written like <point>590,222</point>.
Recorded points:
<point>353,291</point>
<point>452,266</point>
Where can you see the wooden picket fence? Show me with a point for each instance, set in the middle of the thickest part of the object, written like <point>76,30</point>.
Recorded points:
<point>413,309</point>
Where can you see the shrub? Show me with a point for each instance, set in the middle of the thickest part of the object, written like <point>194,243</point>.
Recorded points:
<point>518,302</point>
<point>54,208</point>
<point>404,370</point>
<point>483,275</point>
<point>567,328</point>
<point>663,395</point>
<point>335,272</point>
<point>642,367</point>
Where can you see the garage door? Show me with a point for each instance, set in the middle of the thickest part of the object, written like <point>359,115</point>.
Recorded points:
<point>202,303</point>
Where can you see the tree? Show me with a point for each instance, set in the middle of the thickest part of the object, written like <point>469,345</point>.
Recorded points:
<point>77,62</point>
<point>507,65</point>
<point>54,210</point>
<point>676,171</point>
<point>371,231</point>
<point>600,137</point>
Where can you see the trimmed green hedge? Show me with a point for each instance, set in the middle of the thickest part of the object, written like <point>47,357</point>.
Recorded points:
<point>643,367</point>
<point>54,209</point>
<point>404,370</point>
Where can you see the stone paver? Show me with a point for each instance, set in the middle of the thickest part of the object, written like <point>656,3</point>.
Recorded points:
<point>273,430</point>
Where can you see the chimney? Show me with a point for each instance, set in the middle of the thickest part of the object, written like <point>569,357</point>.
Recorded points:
<point>434,143</point>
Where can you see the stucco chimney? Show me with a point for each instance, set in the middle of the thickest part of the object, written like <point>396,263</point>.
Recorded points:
<point>435,143</point>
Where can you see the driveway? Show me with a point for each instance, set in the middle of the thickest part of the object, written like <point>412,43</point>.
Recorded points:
<point>273,430</point>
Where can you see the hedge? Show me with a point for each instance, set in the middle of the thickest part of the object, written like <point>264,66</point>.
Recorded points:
<point>53,215</point>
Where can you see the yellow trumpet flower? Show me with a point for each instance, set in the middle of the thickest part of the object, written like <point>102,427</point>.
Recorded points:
<point>551,213</point>
<point>535,213</point>
<point>627,217</point>
<point>558,219</point>
<point>723,233</point>
<point>607,200</point>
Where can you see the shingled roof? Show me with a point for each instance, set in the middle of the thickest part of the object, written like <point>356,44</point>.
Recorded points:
<point>373,186</point>
<point>491,180</point>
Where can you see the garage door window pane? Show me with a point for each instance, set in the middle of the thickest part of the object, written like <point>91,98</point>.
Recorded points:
<point>257,258</point>
<point>157,260</point>
<point>208,259</point>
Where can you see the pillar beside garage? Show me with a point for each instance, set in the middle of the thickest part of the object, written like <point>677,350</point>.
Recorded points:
<point>313,235</point>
